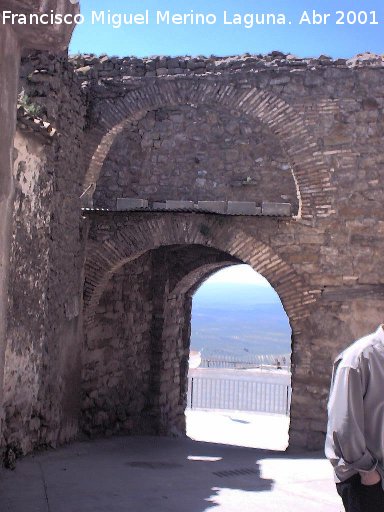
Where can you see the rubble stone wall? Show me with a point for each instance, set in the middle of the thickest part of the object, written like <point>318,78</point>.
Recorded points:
<point>196,154</point>
<point>110,70</point>
<point>135,359</point>
<point>312,114</point>
<point>117,354</point>
<point>12,41</point>
<point>44,335</point>
<point>9,72</point>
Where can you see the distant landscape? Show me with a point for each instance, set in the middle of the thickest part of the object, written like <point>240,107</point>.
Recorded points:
<point>239,320</point>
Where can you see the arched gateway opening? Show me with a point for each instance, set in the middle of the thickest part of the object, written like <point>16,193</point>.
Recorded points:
<point>239,378</point>
<point>140,276</point>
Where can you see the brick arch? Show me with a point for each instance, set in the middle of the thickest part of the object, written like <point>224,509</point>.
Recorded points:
<point>127,243</point>
<point>311,173</point>
<point>195,278</point>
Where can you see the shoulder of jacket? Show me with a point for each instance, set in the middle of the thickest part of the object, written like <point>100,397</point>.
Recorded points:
<point>352,356</point>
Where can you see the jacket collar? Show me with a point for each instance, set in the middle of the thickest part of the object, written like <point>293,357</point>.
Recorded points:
<point>380,333</point>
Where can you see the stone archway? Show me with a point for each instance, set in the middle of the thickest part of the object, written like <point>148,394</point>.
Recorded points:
<point>112,251</point>
<point>311,173</point>
<point>116,241</point>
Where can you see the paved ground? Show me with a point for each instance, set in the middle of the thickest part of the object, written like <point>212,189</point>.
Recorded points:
<point>253,430</point>
<point>145,474</point>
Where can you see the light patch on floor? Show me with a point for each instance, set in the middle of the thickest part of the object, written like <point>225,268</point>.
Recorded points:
<point>252,430</point>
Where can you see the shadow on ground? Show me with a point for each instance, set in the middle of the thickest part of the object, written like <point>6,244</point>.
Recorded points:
<point>131,474</point>
<point>147,474</point>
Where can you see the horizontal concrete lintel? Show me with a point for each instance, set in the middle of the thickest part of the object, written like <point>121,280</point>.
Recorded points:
<point>179,205</point>
<point>243,208</point>
<point>221,207</point>
<point>212,206</point>
<point>280,209</point>
<point>130,203</point>
<point>158,206</point>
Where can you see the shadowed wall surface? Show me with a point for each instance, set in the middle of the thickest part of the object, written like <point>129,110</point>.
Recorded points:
<point>13,40</point>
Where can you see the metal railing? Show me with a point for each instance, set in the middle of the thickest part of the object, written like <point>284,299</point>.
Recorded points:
<point>256,361</point>
<point>240,395</point>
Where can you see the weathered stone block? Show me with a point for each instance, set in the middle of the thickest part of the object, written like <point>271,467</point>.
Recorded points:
<point>130,203</point>
<point>158,206</point>
<point>243,208</point>
<point>212,206</point>
<point>280,209</point>
<point>282,80</point>
<point>180,205</point>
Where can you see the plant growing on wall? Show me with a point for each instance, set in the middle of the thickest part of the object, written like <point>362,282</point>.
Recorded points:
<point>26,103</point>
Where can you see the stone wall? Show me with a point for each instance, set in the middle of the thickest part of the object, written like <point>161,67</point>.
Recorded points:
<point>173,387</point>
<point>311,113</point>
<point>106,69</point>
<point>9,70</point>
<point>251,128</point>
<point>28,304</point>
<point>326,306</point>
<point>12,41</point>
<point>42,364</point>
<point>116,359</point>
<point>135,361</point>
<point>197,154</point>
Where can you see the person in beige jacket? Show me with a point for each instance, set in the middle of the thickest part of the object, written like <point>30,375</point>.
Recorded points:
<point>355,433</point>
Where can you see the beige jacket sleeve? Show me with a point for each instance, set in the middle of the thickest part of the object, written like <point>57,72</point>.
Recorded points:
<point>346,420</point>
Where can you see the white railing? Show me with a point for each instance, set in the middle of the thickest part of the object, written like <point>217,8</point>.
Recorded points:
<point>238,394</point>
<point>256,361</point>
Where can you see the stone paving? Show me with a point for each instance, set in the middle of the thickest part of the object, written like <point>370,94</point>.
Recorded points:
<point>145,474</point>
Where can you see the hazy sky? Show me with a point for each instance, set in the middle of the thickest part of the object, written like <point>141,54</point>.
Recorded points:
<point>219,39</point>
<point>238,274</point>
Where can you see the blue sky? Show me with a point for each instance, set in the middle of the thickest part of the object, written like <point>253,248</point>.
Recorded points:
<point>303,40</point>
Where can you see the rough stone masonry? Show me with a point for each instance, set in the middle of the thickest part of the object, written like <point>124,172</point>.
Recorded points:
<point>259,129</point>
<point>185,166</point>
<point>12,42</point>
